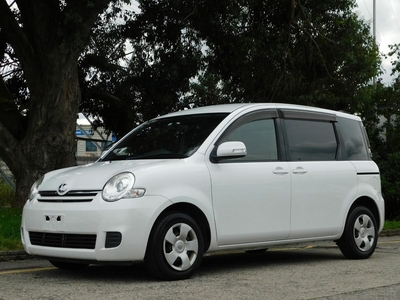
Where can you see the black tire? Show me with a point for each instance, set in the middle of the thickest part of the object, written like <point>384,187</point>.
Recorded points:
<point>67,265</point>
<point>360,234</point>
<point>175,248</point>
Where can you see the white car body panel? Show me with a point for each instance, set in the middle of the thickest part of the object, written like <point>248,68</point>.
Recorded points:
<point>132,217</point>
<point>251,203</point>
<point>321,195</point>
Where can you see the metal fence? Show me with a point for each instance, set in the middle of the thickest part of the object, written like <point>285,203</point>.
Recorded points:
<point>6,174</point>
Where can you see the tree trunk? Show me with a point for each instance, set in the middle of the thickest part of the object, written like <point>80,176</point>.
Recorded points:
<point>50,139</point>
<point>47,37</point>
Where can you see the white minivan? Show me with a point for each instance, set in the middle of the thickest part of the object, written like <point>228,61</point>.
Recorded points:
<point>216,178</point>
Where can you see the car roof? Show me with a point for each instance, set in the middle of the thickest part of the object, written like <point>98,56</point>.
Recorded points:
<point>229,108</point>
<point>220,108</point>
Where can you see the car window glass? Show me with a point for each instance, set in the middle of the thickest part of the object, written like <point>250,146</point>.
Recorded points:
<point>311,140</point>
<point>166,138</point>
<point>260,140</point>
<point>354,142</point>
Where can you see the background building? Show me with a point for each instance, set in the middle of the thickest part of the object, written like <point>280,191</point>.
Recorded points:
<point>91,143</point>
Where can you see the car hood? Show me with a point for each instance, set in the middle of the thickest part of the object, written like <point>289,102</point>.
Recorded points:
<point>94,176</point>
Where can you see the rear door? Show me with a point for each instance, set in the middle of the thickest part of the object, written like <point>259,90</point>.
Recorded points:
<point>322,185</point>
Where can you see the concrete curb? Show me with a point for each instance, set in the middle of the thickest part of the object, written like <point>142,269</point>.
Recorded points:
<point>21,254</point>
<point>14,255</point>
<point>389,232</point>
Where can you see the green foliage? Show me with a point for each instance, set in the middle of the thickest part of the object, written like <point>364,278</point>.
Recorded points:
<point>7,194</point>
<point>194,53</point>
<point>10,219</point>
<point>392,225</point>
<point>264,51</point>
<point>10,223</point>
<point>380,112</point>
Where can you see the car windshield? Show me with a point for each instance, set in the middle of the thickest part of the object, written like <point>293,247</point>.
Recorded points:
<point>174,137</point>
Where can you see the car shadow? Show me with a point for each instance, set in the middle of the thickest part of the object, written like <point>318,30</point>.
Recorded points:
<point>212,265</point>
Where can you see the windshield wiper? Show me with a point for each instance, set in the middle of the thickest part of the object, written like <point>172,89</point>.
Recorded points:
<point>157,156</point>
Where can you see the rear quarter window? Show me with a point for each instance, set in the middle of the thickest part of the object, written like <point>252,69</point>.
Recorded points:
<point>354,141</point>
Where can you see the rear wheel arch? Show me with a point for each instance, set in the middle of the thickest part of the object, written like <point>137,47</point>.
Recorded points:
<point>360,235</point>
<point>368,203</point>
<point>358,240</point>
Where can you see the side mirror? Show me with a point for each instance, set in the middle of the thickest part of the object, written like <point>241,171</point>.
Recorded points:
<point>230,150</point>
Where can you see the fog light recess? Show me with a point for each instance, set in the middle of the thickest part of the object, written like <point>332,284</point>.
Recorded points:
<point>113,239</point>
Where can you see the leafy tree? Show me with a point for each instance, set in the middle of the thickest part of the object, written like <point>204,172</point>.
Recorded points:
<point>381,112</point>
<point>125,89</point>
<point>194,53</point>
<point>41,41</point>
<point>307,52</point>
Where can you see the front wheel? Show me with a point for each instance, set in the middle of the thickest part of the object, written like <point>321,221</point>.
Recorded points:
<point>360,234</point>
<point>175,248</point>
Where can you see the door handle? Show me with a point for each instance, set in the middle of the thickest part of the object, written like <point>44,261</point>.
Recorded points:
<point>280,171</point>
<point>299,170</point>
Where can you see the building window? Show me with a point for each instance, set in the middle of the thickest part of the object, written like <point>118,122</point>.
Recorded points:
<point>90,146</point>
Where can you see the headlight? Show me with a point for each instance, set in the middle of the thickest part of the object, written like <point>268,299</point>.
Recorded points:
<point>121,186</point>
<point>35,189</point>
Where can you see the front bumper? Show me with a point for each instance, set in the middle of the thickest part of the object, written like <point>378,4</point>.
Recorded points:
<point>66,230</point>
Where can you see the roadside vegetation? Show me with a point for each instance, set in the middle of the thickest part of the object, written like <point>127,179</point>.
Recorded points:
<point>10,221</point>
<point>392,225</point>
<point>6,194</point>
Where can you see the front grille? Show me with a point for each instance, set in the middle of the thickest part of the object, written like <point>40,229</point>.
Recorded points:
<point>71,196</point>
<point>63,240</point>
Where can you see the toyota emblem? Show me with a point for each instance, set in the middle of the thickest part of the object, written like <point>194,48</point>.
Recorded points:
<point>62,189</point>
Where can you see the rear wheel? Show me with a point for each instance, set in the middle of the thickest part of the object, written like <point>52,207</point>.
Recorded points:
<point>67,266</point>
<point>175,248</point>
<point>360,235</point>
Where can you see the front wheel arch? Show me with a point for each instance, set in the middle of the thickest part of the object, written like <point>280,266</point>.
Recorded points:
<point>195,213</point>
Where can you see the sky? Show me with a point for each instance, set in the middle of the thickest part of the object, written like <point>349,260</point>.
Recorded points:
<point>387,27</point>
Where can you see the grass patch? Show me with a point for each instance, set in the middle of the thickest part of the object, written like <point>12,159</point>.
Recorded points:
<point>7,194</point>
<point>10,220</point>
<point>10,223</point>
<point>392,225</point>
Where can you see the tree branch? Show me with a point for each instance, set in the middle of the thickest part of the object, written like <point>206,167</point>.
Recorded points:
<point>99,94</point>
<point>15,36</point>
<point>78,19</point>
<point>311,25</point>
